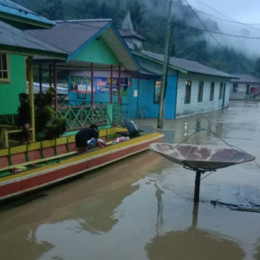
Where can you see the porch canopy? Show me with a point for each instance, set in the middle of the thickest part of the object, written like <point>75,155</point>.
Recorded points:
<point>94,48</point>
<point>87,42</point>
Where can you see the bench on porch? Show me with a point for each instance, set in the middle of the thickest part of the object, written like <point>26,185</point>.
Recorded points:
<point>5,131</point>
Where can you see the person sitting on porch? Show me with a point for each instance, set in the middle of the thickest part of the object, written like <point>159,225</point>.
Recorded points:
<point>24,118</point>
<point>88,138</point>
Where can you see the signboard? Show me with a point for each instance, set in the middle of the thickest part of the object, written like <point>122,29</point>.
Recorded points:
<point>101,85</point>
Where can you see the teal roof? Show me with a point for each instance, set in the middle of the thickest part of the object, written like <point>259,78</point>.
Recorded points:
<point>12,11</point>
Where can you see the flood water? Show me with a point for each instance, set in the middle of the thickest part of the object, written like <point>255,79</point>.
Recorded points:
<point>141,208</point>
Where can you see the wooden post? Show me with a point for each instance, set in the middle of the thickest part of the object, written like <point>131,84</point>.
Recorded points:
<point>119,85</point>
<point>56,89</point>
<point>40,77</point>
<point>111,84</point>
<point>31,96</point>
<point>165,70</point>
<point>92,84</point>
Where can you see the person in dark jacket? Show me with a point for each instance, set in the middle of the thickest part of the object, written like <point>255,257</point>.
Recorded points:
<point>24,118</point>
<point>88,138</point>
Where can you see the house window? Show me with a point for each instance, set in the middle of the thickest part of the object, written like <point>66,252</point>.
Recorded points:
<point>157,91</point>
<point>4,67</point>
<point>200,92</point>
<point>235,87</point>
<point>247,89</point>
<point>211,94</point>
<point>221,90</point>
<point>187,92</point>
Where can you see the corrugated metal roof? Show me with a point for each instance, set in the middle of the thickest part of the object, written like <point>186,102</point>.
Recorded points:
<point>188,65</point>
<point>245,78</point>
<point>11,8</point>
<point>11,36</point>
<point>70,35</point>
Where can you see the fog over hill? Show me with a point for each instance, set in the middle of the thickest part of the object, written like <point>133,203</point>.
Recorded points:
<point>200,31</point>
<point>238,20</point>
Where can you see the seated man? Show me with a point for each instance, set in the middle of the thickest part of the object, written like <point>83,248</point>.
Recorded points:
<point>87,138</point>
<point>24,119</point>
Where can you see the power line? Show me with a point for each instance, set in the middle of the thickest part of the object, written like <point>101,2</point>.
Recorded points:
<point>215,32</point>
<point>229,19</point>
<point>212,36</point>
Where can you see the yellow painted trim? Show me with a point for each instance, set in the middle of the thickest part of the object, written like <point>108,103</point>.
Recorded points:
<point>82,157</point>
<point>31,96</point>
<point>59,141</point>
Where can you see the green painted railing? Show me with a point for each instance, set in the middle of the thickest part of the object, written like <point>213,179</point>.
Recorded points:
<point>82,116</point>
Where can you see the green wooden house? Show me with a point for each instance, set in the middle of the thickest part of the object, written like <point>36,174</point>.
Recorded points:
<point>16,51</point>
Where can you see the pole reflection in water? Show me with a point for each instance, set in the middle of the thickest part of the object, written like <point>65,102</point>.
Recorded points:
<point>192,243</point>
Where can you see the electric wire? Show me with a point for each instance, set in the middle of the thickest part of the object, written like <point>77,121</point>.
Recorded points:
<point>215,32</point>
<point>228,19</point>
<point>212,36</point>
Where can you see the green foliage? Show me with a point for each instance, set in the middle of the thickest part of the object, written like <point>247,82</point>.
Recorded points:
<point>53,9</point>
<point>47,125</point>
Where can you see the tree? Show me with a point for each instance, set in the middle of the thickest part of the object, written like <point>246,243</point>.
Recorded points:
<point>53,9</point>
<point>137,12</point>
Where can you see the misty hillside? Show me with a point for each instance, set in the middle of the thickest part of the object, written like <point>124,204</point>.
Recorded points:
<point>191,38</point>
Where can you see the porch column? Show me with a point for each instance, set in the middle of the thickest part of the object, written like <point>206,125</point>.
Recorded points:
<point>40,77</point>
<point>92,83</point>
<point>111,84</point>
<point>50,76</point>
<point>119,85</point>
<point>31,95</point>
<point>56,89</point>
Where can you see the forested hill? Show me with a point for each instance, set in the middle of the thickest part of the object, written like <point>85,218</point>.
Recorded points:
<point>189,40</point>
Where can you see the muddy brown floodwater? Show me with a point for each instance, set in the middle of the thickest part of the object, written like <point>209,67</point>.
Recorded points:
<point>141,208</point>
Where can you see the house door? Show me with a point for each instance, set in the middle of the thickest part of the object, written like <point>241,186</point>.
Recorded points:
<point>224,95</point>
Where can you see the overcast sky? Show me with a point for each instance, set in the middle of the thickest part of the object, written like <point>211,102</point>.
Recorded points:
<point>229,14</point>
<point>246,11</point>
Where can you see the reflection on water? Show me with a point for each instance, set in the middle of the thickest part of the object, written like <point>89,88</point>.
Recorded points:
<point>192,243</point>
<point>142,207</point>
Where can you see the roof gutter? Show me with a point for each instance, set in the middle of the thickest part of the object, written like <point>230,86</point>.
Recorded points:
<point>15,18</point>
<point>31,52</point>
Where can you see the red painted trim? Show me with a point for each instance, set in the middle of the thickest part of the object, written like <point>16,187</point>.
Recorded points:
<point>111,84</point>
<point>92,83</point>
<point>56,89</point>
<point>119,85</point>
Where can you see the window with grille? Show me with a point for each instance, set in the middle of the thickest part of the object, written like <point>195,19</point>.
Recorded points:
<point>187,92</point>
<point>4,67</point>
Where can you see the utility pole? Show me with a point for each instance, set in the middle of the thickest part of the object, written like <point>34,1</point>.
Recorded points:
<point>165,69</point>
